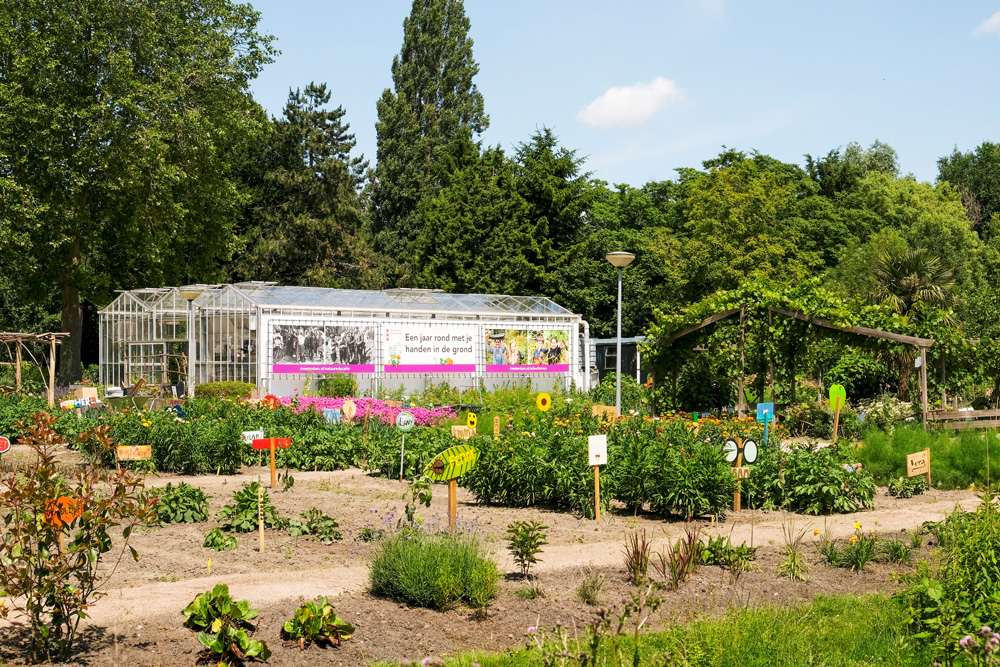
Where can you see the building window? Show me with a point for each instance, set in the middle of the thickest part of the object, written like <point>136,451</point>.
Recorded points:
<point>610,358</point>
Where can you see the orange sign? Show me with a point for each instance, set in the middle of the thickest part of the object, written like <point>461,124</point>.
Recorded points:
<point>134,452</point>
<point>61,511</point>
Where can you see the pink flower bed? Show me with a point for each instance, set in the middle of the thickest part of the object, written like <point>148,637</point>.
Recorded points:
<point>374,408</point>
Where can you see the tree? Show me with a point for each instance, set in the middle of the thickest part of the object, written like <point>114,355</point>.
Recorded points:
<point>426,123</point>
<point>307,215</point>
<point>118,118</point>
<point>910,277</point>
<point>977,175</point>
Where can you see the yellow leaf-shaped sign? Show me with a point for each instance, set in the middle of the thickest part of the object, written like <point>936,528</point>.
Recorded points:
<point>452,463</point>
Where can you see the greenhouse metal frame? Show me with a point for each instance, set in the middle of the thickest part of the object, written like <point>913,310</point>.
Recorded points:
<point>282,338</point>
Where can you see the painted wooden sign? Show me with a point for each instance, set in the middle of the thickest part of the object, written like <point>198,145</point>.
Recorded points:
<point>597,449</point>
<point>919,464</point>
<point>837,391</point>
<point>496,427</point>
<point>452,463</point>
<point>349,409</point>
<point>250,436</point>
<point>4,444</point>
<point>405,421</point>
<point>462,432</point>
<point>78,403</point>
<point>267,443</point>
<point>134,452</point>
<point>765,412</point>
<point>741,473</point>
<point>471,420</point>
<point>332,415</point>
<point>603,412</point>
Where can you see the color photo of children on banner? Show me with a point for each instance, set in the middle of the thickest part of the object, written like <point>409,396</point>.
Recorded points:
<point>526,351</point>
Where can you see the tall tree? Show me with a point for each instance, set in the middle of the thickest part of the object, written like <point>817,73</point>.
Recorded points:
<point>977,175</point>
<point>118,117</point>
<point>307,213</point>
<point>427,124</point>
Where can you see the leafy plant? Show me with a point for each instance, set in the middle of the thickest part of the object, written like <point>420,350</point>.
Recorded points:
<point>219,541</point>
<point>525,541</point>
<point>241,516</point>
<point>637,551</point>
<point>370,534</point>
<point>896,551</point>
<point>316,622</point>
<point>226,388</point>
<point>57,532</point>
<point>182,504</point>
<point>794,565</point>
<point>907,487</point>
<point>820,481</point>
<point>223,623</point>
<point>721,552</point>
<point>316,523</point>
<point>338,385</point>
<point>680,560</point>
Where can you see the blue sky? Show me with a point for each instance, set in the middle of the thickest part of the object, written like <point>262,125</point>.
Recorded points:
<point>641,88</point>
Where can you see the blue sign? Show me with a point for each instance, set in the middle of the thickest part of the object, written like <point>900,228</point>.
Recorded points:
<point>765,412</point>
<point>332,415</point>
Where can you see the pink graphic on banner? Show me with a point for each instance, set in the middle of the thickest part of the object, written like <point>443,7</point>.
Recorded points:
<point>323,368</point>
<point>430,368</point>
<point>534,368</point>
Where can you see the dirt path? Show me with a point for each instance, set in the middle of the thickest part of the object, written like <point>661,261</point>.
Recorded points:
<point>139,620</point>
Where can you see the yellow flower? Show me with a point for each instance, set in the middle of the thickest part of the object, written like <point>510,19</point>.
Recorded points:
<point>857,526</point>
<point>816,532</point>
<point>854,538</point>
<point>216,625</point>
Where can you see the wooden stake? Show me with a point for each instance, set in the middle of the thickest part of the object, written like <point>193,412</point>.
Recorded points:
<point>928,475</point>
<point>836,420</point>
<point>597,493</point>
<point>260,508</point>
<point>737,499</point>
<point>17,370</point>
<point>923,383</point>
<point>496,427</point>
<point>364,429</point>
<point>274,480</point>
<point>452,502</point>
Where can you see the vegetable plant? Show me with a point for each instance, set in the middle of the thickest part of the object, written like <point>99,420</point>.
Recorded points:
<point>525,540</point>
<point>315,522</point>
<point>223,623</point>
<point>316,622</point>
<point>218,540</point>
<point>241,516</point>
<point>182,504</point>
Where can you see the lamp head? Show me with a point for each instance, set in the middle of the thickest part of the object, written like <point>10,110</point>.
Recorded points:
<point>619,259</point>
<point>191,293</point>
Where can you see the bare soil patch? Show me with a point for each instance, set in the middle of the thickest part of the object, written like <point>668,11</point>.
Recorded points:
<point>139,622</point>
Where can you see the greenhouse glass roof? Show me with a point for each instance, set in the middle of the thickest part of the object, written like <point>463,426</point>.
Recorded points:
<point>398,299</point>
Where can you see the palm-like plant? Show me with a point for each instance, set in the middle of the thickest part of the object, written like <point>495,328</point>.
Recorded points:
<point>910,277</point>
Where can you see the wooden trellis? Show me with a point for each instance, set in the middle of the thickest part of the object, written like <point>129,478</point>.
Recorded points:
<point>20,341</point>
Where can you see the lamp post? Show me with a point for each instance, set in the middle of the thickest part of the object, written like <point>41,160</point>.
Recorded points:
<point>619,260</point>
<point>191,293</point>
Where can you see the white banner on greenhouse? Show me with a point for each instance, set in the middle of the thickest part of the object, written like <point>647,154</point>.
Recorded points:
<point>417,348</point>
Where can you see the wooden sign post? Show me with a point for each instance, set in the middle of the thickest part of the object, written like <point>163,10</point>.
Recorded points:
<point>919,464</point>
<point>603,412</point>
<point>838,397</point>
<point>132,453</point>
<point>448,466</point>
<point>496,427</point>
<point>597,453</point>
<point>271,443</point>
<point>260,511</point>
<point>740,451</point>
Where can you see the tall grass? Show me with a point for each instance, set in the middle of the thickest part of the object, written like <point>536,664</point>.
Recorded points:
<point>434,570</point>
<point>958,460</point>
<point>847,631</point>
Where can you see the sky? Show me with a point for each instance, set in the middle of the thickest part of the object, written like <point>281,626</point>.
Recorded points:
<point>640,89</point>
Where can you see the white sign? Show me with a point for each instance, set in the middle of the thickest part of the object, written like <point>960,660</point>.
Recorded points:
<point>415,348</point>
<point>250,436</point>
<point>597,448</point>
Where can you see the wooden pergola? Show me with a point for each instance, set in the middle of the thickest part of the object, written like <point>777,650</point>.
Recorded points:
<point>921,344</point>
<point>20,340</point>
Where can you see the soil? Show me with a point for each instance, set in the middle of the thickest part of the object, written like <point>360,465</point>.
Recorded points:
<point>139,621</point>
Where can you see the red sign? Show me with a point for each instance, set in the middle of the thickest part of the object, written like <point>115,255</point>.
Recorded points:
<point>4,444</point>
<point>265,443</point>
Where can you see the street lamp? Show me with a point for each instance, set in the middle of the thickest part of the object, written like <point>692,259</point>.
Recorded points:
<point>191,293</point>
<point>619,260</point>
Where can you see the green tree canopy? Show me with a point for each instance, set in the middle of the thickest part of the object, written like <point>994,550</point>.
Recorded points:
<point>118,117</point>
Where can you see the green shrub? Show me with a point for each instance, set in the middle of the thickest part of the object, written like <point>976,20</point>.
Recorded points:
<point>814,419</point>
<point>963,593</point>
<point>818,482</point>
<point>525,540</point>
<point>182,504</point>
<point>316,622</point>
<point>434,570</point>
<point>241,516</point>
<point>634,397</point>
<point>336,386</point>
<point>861,375</point>
<point>721,552</point>
<point>228,388</point>
<point>691,477</point>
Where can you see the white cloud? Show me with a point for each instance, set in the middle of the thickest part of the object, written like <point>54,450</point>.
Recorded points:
<point>992,24</point>
<point>631,105</point>
<point>711,8</point>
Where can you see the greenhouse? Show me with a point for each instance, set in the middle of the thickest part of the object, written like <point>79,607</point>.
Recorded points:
<point>283,339</point>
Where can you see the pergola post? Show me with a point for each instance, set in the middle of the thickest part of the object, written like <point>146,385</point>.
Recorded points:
<point>739,386</point>
<point>17,369</point>
<point>923,383</point>
<point>770,361</point>
<point>52,371</point>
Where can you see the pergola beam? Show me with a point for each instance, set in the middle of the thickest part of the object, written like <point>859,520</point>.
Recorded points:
<point>862,331</point>
<point>704,323</point>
